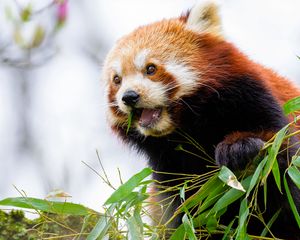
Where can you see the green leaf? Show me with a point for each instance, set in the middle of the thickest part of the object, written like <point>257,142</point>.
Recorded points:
<point>243,215</point>
<point>228,177</point>
<point>294,174</point>
<point>182,192</point>
<point>129,121</point>
<point>273,151</point>
<point>201,194</point>
<point>231,196</point>
<point>124,190</point>
<point>256,175</point>
<point>179,233</point>
<point>213,196</point>
<point>189,227</point>
<point>291,201</point>
<point>291,106</point>
<point>101,228</point>
<point>296,161</point>
<point>46,206</point>
<point>133,199</point>
<point>276,174</point>
<point>265,194</point>
<point>86,222</point>
<point>202,218</point>
<point>228,231</point>
<point>211,224</point>
<point>137,216</point>
<point>134,229</point>
<point>270,223</point>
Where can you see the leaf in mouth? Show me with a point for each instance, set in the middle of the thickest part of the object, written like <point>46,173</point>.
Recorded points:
<point>129,121</point>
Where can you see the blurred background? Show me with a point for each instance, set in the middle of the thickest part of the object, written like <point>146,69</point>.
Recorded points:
<point>52,106</point>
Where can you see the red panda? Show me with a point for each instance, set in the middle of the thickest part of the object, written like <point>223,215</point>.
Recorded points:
<point>182,74</point>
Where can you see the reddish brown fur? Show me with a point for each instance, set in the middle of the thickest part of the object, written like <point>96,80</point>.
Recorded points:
<point>214,60</point>
<point>237,64</point>
<point>236,136</point>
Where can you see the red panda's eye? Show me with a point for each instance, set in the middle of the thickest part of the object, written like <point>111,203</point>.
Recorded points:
<point>117,79</point>
<point>151,69</point>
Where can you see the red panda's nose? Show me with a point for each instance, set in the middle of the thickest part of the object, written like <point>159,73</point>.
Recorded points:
<point>130,98</point>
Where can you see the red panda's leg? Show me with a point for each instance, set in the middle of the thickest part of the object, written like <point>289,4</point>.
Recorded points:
<point>240,148</point>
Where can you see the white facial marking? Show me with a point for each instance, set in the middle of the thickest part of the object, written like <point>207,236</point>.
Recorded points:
<point>153,94</point>
<point>185,76</point>
<point>126,50</point>
<point>140,59</point>
<point>117,66</point>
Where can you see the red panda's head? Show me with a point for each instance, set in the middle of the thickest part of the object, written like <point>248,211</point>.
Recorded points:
<point>154,67</point>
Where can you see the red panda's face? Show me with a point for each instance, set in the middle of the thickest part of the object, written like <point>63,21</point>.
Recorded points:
<point>148,72</point>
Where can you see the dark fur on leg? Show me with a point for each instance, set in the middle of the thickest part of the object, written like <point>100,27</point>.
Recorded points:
<point>237,155</point>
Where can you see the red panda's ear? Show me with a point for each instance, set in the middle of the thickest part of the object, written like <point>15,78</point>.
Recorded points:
<point>205,18</point>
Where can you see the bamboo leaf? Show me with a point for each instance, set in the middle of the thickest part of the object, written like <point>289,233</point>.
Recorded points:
<point>273,151</point>
<point>291,201</point>
<point>294,174</point>
<point>134,229</point>
<point>129,121</point>
<point>243,215</point>
<point>231,196</point>
<point>228,230</point>
<point>138,218</point>
<point>46,206</point>
<point>189,227</point>
<point>256,175</point>
<point>179,233</point>
<point>211,224</point>
<point>125,189</point>
<point>291,106</point>
<point>265,194</point>
<point>228,177</point>
<point>182,192</point>
<point>214,195</point>
<point>296,161</point>
<point>270,223</point>
<point>201,194</point>
<point>276,174</point>
<point>101,228</point>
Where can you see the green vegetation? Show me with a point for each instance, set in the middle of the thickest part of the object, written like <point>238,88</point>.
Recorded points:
<point>14,226</point>
<point>127,213</point>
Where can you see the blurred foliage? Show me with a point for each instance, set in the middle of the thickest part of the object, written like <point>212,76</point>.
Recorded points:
<point>14,225</point>
<point>33,32</point>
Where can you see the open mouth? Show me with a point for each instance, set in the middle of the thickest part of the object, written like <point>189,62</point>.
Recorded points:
<point>148,117</point>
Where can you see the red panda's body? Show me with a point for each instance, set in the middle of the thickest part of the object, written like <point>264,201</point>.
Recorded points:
<point>181,74</point>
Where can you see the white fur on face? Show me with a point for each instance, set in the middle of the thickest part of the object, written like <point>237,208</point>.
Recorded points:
<point>152,94</point>
<point>140,59</point>
<point>117,66</point>
<point>185,76</point>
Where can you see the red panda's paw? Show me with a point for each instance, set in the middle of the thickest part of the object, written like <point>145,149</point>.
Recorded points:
<point>237,155</point>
